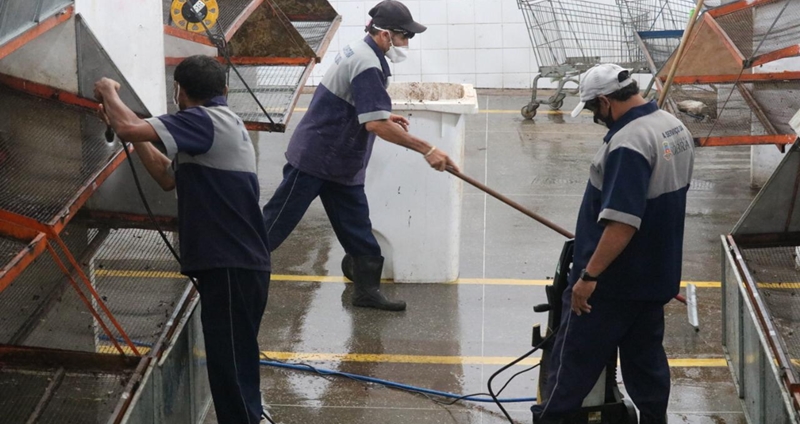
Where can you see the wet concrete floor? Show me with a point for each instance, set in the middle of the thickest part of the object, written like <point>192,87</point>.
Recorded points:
<point>454,336</point>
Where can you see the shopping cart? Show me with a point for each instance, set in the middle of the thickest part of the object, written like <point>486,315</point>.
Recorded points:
<point>571,36</point>
<point>658,27</point>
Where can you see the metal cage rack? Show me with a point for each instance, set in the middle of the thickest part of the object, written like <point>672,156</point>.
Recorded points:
<point>275,45</point>
<point>725,70</point>
<point>761,298</point>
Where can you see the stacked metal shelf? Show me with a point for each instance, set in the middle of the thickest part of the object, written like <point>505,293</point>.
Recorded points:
<point>761,298</point>
<point>729,86</point>
<point>274,44</point>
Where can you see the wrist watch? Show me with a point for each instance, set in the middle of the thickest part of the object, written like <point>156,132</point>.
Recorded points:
<point>585,276</point>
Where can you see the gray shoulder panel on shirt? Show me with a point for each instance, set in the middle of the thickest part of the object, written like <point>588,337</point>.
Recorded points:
<point>667,145</point>
<point>352,60</point>
<point>232,149</point>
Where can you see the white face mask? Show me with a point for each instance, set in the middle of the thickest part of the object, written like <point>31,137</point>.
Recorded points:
<point>397,54</point>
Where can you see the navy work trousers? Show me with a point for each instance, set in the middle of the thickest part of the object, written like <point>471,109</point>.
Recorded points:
<point>584,344</point>
<point>346,207</point>
<point>232,303</point>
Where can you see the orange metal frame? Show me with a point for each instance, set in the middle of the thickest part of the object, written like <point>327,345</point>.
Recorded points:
<point>47,92</point>
<point>40,233</point>
<point>745,140</point>
<point>13,269</point>
<point>737,6</point>
<point>712,23</point>
<point>33,33</point>
<point>253,61</point>
<point>730,79</point>
<point>709,19</point>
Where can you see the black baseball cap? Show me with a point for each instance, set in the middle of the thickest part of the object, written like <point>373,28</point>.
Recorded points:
<point>395,16</point>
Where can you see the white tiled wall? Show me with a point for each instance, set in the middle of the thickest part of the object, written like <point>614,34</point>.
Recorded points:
<point>480,42</point>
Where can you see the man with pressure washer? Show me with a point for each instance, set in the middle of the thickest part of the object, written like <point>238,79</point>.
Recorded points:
<point>329,152</point>
<point>628,252</point>
<point>211,162</point>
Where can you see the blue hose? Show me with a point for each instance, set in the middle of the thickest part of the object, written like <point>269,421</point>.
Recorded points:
<point>392,384</point>
<point>387,383</point>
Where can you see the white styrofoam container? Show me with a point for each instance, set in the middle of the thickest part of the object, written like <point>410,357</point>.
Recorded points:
<point>415,210</point>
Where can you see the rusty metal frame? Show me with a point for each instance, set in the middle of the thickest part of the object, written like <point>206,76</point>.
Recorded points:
<point>783,53</point>
<point>52,298</point>
<point>23,227</point>
<point>250,61</point>
<point>119,220</point>
<point>36,245</point>
<point>37,31</point>
<point>774,341</point>
<point>737,6</point>
<point>730,79</point>
<point>23,356</point>
<point>709,19</point>
<point>745,140</point>
<point>47,92</point>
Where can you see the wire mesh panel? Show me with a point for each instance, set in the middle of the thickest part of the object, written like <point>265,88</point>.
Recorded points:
<point>276,88</point>
<point>9,248</point>
<point>140,282</point>
<point>579,34</point>
<point>85,398</point>
<point>39,294</point>
<point>50,153</point>
<point>768,28</point>
<point>725,110</point>
<point>20,392</point>
<point>18,16</point>
<point>777,272</point>
<point>50,7</point>
<point>313,32</point>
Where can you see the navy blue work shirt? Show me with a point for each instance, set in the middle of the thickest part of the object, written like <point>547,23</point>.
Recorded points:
<point>220,222</point>
<point>331,142</point>
<point>639,177</point>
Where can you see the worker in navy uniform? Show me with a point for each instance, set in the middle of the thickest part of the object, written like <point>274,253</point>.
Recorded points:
<point>628,252</point>
<point>331,147</point>
<point>211,162</point>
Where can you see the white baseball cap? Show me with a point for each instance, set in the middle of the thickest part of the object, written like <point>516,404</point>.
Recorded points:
<point>601,80</point>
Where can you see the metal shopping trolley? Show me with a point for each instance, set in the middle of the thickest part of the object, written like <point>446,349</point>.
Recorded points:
<point>571,36</point>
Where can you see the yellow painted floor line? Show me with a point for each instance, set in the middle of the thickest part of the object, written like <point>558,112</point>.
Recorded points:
<point>337,279</point>
<point>463,281</point>
<point>419,359</point>
<point>451,360</point>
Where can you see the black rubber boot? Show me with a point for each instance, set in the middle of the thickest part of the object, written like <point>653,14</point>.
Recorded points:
<point>367,294</point>
<point>348,267</point>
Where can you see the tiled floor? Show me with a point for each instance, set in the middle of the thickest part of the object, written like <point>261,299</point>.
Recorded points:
<point>454,336</point>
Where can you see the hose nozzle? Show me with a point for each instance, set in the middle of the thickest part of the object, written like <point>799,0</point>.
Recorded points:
<point>110,134</point>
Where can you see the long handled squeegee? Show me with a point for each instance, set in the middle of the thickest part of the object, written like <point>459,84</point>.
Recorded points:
<point>550,224</point>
